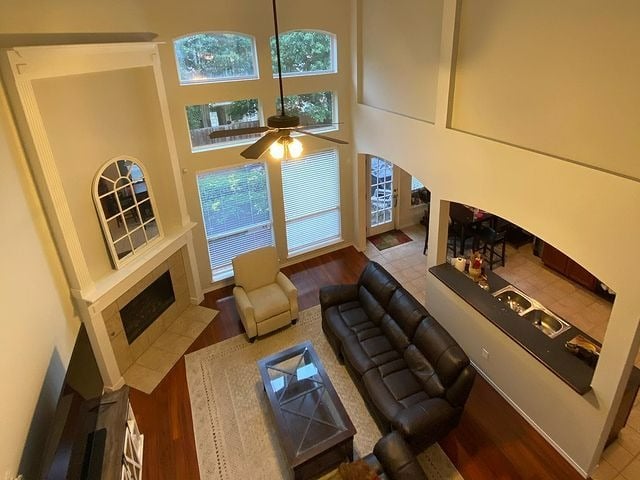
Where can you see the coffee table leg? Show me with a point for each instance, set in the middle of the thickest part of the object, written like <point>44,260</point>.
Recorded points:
<point>350,450</point>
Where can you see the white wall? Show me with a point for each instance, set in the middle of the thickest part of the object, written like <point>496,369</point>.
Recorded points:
<point>400,71</point>
<point>575,208</point>
<point>38,327</point>
<point>556,77</point>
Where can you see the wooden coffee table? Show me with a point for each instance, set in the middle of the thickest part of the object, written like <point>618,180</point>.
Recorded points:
<point>313,427</point>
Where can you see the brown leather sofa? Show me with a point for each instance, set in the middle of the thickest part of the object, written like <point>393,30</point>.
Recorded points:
<point>412,374</point>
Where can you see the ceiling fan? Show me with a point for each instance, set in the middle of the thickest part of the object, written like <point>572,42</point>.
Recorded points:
<point>277,138</point>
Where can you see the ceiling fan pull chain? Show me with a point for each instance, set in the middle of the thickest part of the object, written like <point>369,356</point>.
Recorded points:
<point>275,24</point>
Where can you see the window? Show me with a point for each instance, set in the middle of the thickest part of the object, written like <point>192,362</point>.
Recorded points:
<point>312,108</point>
<point>204,119</point>
<point>236,213</point>
<point>311,190</point>
<point>304,52</point>
<point>419,194</point>
<point>122,195</point>
<point>215,57</point>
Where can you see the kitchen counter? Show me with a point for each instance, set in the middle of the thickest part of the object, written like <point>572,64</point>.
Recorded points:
<point>548,351</point>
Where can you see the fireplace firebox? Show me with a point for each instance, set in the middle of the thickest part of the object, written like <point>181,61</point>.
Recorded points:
<point>148,305</point>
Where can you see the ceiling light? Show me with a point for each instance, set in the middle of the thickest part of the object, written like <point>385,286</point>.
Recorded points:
<point>285,146</point>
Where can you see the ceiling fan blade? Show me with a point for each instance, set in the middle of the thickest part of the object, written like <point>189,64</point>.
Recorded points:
<point>321,125</point>
<point>258,148</point>
<point>324,137</point>
<point>237,132</point>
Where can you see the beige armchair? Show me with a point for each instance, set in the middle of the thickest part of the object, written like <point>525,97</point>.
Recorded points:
<point>265,297</point>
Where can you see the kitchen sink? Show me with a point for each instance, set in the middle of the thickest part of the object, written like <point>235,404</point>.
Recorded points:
<point>532,311</point>
<point>546,321</point>
<point>514,299</point>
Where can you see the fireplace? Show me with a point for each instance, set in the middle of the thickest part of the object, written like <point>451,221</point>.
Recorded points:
<point>137,318</point>
<point>148,305</point>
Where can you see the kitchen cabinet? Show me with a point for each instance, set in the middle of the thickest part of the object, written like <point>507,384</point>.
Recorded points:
<point>555,259</point>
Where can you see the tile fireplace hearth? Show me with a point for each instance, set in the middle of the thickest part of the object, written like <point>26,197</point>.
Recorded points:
<point>162,324</point>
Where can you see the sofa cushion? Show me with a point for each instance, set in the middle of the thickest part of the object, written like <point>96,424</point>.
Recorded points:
<point>394,333</point>
<point>440,350</point>
<point>406,311</point>
<point>373,351</point>
<point>392,388</point>
<point>335,321</point>
<point>378,282</point>
<point>423,371</point>
<point>370,305</point>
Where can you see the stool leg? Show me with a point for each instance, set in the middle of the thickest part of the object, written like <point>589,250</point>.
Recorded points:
<point>504,244</point>
<point>492,249</point>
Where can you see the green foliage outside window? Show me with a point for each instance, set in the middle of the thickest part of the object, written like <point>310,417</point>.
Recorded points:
<point>303,51</point>
<point>215,56</point>
<point>233,199</point>
<point>312,108</point>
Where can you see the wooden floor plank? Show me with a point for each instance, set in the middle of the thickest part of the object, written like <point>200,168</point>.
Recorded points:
<point>492,441</point>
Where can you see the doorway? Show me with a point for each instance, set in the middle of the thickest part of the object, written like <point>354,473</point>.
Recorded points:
<point>383,196</point>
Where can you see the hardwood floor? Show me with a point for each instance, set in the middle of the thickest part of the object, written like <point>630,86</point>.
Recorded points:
<point>491,442</point>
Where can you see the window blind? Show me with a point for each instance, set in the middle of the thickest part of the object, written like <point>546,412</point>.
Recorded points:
<point>236,213</point>
<point>311,190</point>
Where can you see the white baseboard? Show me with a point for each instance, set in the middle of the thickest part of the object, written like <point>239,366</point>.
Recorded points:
<point>530,421</point>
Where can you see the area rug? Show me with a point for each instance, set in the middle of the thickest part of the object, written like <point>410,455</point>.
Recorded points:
<point>389,239</point>
<point>234,430</point>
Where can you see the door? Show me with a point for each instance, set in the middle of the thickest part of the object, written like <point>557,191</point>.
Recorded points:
<point>383,196</point>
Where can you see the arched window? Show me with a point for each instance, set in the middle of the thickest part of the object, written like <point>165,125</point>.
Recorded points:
<point>305,52</point>
<point>215,57</point>
<point>123,199</point>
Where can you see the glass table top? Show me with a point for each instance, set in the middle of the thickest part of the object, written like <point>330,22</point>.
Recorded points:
<point>306,403</point>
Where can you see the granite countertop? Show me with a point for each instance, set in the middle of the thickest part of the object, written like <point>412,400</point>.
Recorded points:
<point>549,351</point>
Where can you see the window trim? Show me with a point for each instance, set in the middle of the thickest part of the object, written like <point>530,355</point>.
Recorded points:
<point>120,262</point>
<point>226,271</point>
<point>256,63</point>
<point>334,54</point>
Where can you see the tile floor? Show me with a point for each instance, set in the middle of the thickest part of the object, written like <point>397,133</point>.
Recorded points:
<point>582,308</point>
<point>151,367</point>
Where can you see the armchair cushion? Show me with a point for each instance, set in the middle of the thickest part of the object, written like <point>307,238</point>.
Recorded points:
<point>256,268</point>
<point>268,301</point>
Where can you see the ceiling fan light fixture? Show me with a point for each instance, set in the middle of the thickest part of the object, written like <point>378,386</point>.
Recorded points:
<point>286,146</point>
<point>295,148</point>
<point>276,150</point>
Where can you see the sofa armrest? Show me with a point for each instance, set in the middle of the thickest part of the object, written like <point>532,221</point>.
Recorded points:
<point>397,459</point>
<point>290,290</point>
<point>331,295</point>
<point>246,311</point>
<point>425,418</point>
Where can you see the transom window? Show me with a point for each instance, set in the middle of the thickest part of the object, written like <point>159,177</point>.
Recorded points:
<point>312,108</point>
<point>236,212</point>
<point>215,57</point>
<point>122,195</point>
<point>305,52</point>
<point>204,119</point>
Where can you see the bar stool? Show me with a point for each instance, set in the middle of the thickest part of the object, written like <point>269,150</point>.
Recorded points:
<point>425,221</point>
<point>495,242</point>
